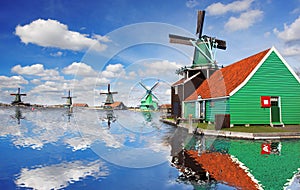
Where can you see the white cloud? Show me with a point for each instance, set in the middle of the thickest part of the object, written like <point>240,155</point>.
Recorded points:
<point>246,20</point>
<point>236,6</point>
<point>80,69</point>
<point>291,32</point>
<point>57,54</point>
<point>101,38</point>
<point>52,33</point>
<point>191,3</point>
<point>37,70</point>
<point>291,37</point>
<point>113,70</point>
<point>291,50</point>
<point>12,82</point>
<point>159,68</point>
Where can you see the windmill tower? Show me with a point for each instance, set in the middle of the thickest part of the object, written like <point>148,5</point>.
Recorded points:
<point>69,98</point>
<point>18,96</point>
<point>109,96</point>
<point>147,102</point>
<point>203,66</point>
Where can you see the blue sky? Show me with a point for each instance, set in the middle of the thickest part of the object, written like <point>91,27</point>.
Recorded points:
<point>49,47</point>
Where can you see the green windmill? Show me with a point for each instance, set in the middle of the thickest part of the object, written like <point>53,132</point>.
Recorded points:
<point>205,48</point>
<point>18,96</point>
<point>69,98</point>
<point>147,102</point>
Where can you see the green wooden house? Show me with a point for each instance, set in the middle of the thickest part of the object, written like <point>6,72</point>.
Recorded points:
<point>260,89</point>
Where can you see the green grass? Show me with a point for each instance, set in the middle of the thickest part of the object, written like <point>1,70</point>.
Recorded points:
<point>251,129</point>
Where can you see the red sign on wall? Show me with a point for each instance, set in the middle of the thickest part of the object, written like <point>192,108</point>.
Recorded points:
<point>265,101</point>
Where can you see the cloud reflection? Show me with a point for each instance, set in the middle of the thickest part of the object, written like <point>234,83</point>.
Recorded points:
<point>60,175</point>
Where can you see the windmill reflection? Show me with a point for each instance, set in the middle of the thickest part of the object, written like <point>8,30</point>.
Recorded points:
<point>147,116</point>
<point>110,117</point>
<point>18,115</point>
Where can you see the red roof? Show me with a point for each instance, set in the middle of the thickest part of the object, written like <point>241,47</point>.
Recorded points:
<point>225,80</point>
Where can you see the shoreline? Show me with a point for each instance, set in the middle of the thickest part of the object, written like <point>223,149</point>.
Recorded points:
<point>240,135</point>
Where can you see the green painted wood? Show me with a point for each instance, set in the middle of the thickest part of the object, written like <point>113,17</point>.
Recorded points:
<point>189,108</point>
<point>272,79</point>
<point>213,107</point>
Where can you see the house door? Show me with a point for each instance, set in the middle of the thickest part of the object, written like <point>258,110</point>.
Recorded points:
<point>275,110</point>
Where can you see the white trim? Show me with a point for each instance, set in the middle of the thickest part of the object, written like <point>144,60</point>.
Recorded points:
<point>190,78</point>
<point>260,64</point>
<point>251,74</point>
<point>286,64</point>
<point>205,99</point>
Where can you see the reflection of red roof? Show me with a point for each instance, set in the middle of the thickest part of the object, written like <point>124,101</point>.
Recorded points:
<point>165,106</point>
<point>227,79</point>
<point>222,168</point>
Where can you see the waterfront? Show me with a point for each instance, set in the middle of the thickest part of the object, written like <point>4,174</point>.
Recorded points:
<point>120,149</point>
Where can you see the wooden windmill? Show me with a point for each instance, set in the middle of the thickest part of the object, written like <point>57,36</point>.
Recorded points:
<point>18,96</point>
<point>69,98</point>
<point>205,48</point>
<point>109,96</point>
<point>147,102</point>
<point>203,66</point>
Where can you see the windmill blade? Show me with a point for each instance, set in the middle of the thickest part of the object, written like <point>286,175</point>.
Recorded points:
<point>221,44</point>
<point>143,86</point>
<point>200,21</point>
<point>145,96</point>
<point>154,96</point>
<point>180,40</point>
<point>154,86</point>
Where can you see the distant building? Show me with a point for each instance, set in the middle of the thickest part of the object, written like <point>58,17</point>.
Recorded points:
<point>116,106</point>
<point>80,105</point>
<point>260,89</point>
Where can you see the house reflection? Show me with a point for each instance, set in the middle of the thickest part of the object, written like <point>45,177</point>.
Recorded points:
<point>203,160</point>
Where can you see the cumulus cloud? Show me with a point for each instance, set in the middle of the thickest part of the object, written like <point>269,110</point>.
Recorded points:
<point>113,70</point>
<point>290,32</point>
<point>246,20</point>
<point>52,33</point>
<point>37,70</point>
<point>159,68</point>
<point>80,69</point>
<point>291,37</point>
<point>12,82</point>
<point>236,6</point>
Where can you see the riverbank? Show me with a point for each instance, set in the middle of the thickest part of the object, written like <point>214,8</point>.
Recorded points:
<point>287,132</point>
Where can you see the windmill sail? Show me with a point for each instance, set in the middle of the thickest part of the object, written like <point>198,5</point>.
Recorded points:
<point>200,21</point>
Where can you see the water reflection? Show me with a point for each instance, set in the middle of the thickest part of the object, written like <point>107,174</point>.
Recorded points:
<point>238,163</point>
<point>18,115</point>
<point>59,176</point>
<point>59,149</point>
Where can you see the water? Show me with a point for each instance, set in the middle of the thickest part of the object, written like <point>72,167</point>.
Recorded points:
<point>97,149</point>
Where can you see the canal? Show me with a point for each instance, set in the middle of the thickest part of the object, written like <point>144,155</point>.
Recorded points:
<point>47,148</point>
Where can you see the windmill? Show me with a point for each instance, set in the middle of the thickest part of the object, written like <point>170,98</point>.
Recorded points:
<point>69,98</point>
<point>147,102</point>
<point>205,47</point>
<point>18,96</point>
<point>109,96</point>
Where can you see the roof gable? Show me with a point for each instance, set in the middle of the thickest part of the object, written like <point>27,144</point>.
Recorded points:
<point>229,79</point>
